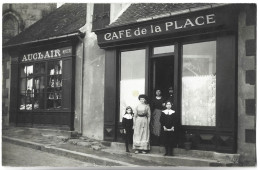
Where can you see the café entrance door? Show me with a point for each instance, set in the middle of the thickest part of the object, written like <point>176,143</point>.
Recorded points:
<point>162,79</point>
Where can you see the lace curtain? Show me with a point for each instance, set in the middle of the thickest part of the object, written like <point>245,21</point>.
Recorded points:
<point>198,100</point>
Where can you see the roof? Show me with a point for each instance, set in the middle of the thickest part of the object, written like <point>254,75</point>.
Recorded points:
<point>67,19</point>
<point>144,11</point>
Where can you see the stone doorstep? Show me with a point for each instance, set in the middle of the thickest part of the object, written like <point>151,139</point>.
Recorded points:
<point>177,160</point>
<point>159,150</point>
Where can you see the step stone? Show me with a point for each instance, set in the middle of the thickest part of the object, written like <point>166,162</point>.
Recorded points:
<point>219,159</point>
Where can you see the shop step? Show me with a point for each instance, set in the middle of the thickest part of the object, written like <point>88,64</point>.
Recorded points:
<point>195,157</point>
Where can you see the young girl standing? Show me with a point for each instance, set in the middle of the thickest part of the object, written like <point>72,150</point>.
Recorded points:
<point>169,123</point>
<point>127,123</point>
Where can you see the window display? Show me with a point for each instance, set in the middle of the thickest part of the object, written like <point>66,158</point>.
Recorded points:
<point>38,89</point>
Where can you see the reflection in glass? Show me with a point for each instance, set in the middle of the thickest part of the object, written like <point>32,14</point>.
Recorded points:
<point>132,80</point>
<point>163,49</point>
<point>199,84</point>
<point>29,70</point>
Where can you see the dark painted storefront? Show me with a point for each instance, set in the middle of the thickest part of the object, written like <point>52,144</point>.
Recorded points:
<point>42,87</point>
<point>43,74</point>
<point>191,50</point>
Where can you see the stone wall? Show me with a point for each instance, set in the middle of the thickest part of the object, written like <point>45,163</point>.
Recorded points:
<point>17,17</point>
<point>93,83</point>
<point>247,85</point>
<point>6,72</point>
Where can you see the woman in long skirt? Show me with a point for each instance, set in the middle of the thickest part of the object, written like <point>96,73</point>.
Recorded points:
<point>157,106</point>
<point>141,121</point>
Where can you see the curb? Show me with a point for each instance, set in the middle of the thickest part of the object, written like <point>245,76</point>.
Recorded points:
<point>67,153</point>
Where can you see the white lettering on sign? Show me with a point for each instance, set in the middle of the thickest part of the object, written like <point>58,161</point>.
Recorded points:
<point>162,27</point>
<point>47,54</point>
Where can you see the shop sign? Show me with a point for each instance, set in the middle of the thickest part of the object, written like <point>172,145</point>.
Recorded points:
<point>49,54</point>
<point>163,27</point>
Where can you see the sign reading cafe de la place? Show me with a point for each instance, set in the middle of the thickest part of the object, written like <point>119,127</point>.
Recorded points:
<point>167,26</point>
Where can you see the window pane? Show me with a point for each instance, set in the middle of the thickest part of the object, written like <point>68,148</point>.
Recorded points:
<point>163,49</point>
<point>22,101</point>
<point>50,100</point>
<point>29,100</point>
<point>29,70</point>
<point>39,68</point>
<point>29,86</point>
<point>132,80</point>
<point>39,84</point>
<point>199,84</point>
<point>55,67</point>
<point>39,101</point>
<point>23,71</point>
<point>23,85</point>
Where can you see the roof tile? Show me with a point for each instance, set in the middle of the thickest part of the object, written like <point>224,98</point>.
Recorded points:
<point>139,12</point>
<point>69,18</point>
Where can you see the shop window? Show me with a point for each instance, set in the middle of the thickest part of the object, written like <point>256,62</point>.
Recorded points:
<point>41,89</point>
<point>199,84</point>
<point>132,79</point>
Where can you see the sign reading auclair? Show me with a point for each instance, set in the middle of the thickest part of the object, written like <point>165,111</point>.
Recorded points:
<point>168,26</point>
<point>49,54</point>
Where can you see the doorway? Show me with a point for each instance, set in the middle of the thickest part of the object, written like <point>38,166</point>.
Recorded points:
<point>162,79</point>
<point>163,75</point>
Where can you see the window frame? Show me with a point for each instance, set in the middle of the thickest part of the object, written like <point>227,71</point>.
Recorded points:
<point>181,43</point>
<point>45,75</point>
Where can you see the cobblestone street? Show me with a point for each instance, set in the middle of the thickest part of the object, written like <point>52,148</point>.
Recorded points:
<point>18,156</point>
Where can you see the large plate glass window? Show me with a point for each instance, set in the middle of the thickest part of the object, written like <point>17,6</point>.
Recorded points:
<point>199,84</point>
<point>132,79</point>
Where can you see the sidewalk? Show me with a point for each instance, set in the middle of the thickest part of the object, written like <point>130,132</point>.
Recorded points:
<point>101,152</point>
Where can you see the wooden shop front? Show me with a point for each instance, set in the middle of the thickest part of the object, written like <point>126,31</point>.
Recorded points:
<point>42,85</point>
<point>196,54</point>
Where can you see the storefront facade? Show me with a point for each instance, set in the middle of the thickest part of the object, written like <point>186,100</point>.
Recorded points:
<point>82,82</point>
<point>45,84</point>
<point>193,52</point>
<point>42,88</point>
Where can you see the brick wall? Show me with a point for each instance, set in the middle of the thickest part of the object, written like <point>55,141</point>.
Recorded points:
<point>247,85</point>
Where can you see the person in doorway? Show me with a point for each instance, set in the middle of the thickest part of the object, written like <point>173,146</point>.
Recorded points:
<point>170,96</point>
<point>157,106</point>
<point>169,125</point>
<point>141,122</point>
<point>127,123</point>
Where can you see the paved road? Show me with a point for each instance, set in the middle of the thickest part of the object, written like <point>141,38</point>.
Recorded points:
<point>19,156</point>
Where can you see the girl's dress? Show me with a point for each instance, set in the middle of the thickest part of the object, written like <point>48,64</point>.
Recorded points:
<point>155,119</point>
<point>141,135</point>
<point>169,120</point>
<point>127,124</point>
